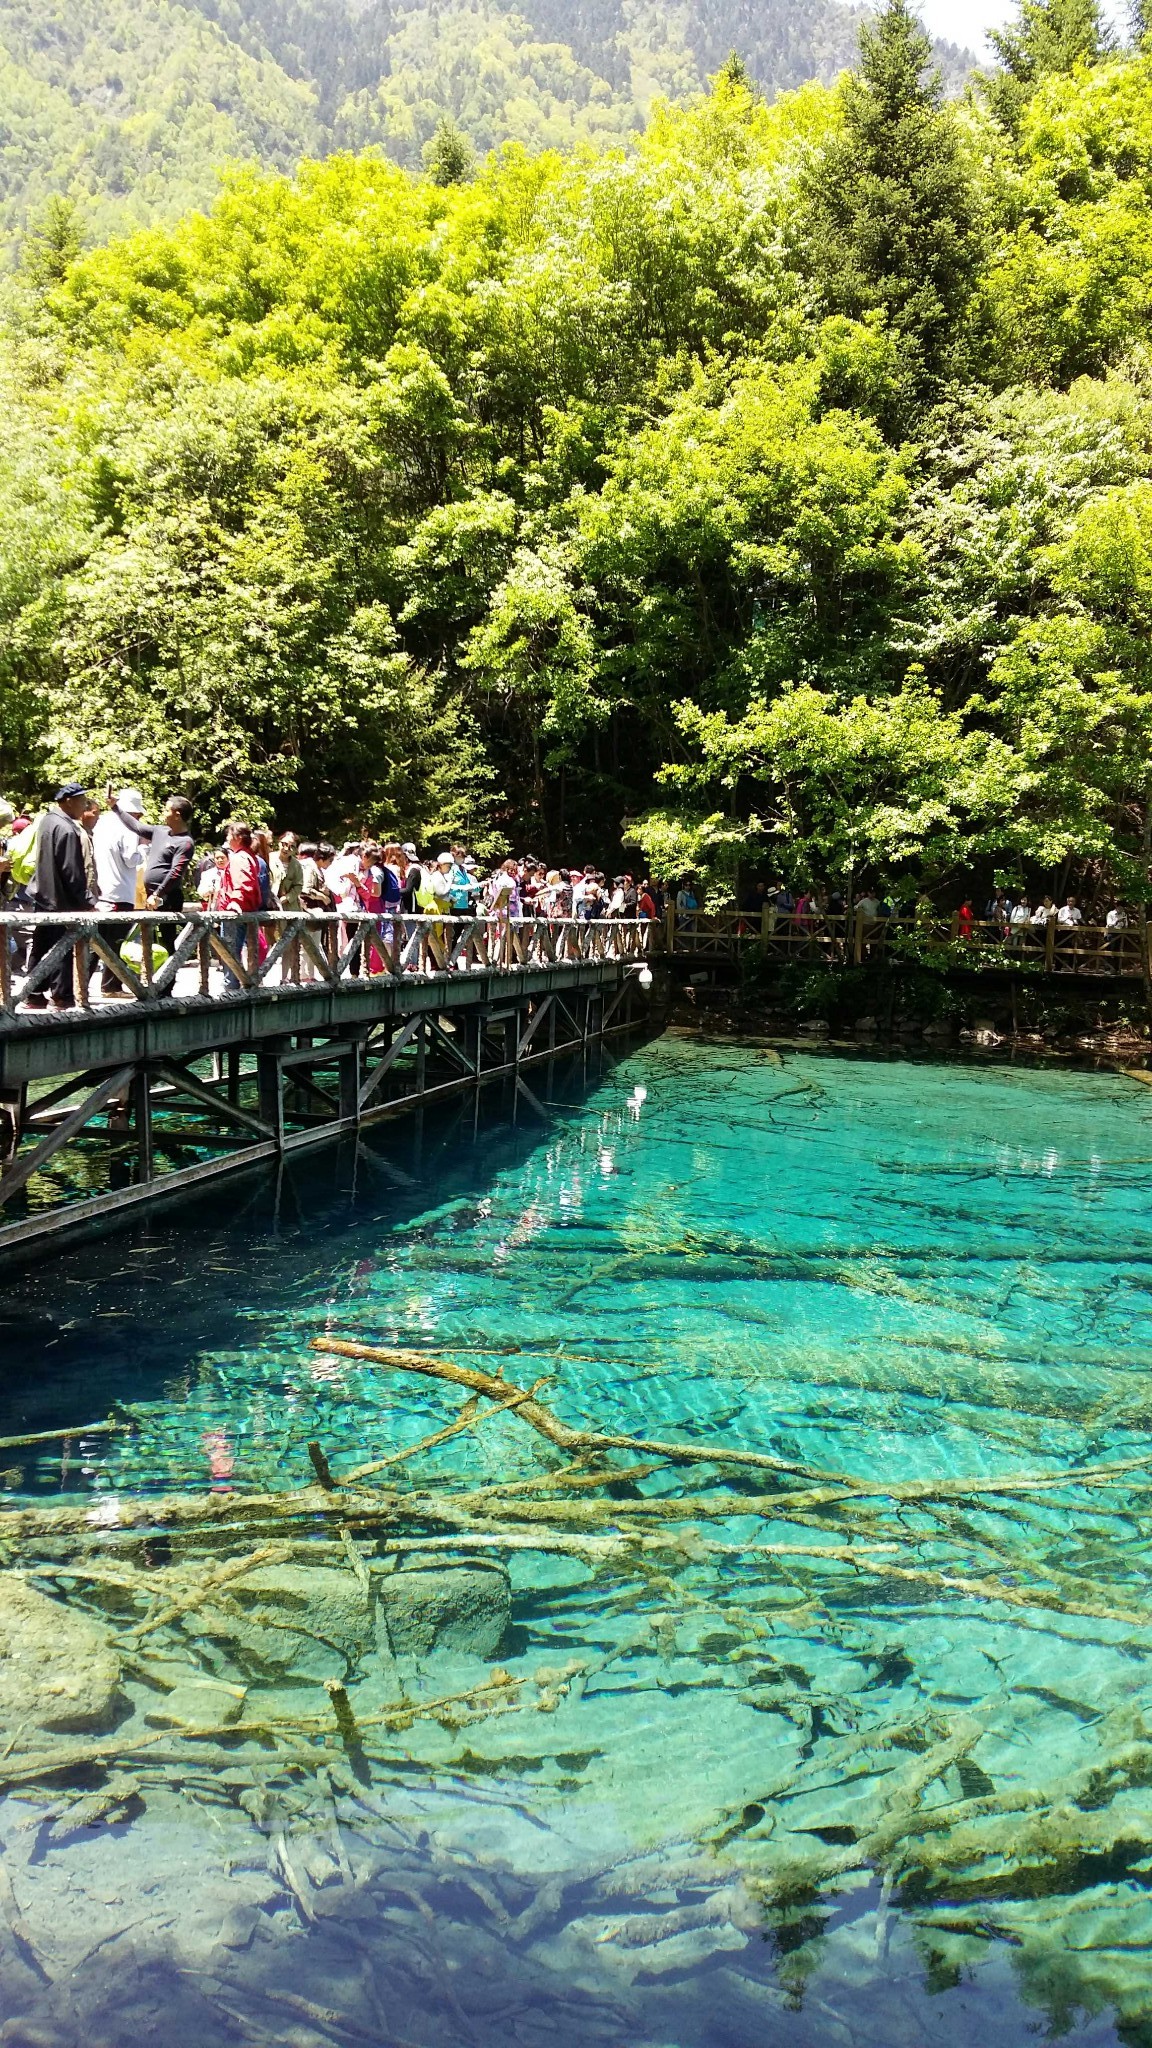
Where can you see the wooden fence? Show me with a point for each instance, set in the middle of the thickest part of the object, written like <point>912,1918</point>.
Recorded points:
<point>712,936</point>
<point>173,953</point>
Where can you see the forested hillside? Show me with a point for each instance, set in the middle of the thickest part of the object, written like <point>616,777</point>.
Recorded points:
<point>131,106</point>
<point>783,482</point>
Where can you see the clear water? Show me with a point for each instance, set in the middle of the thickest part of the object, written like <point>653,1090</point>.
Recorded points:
<point>892,1270</point>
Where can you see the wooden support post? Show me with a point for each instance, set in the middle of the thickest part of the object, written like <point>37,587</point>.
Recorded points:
<point>351,1080</point>
<point>142,1118</point>
<point>421,1055</point>
<point>767,920</point>
<point>13,1108</point>
<point>233,1058</point>
<point>858,950</point>
<point>1050,945</point>
<point>670,925</point>
<point>474,1040</point>
<point>270,1088</point>
<point>512,1039</point>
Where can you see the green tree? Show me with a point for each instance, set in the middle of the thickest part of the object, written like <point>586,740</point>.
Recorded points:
<point>449,158</point>
<point>1049,36</point>
<point>53,243</point>
<point>892,217</point>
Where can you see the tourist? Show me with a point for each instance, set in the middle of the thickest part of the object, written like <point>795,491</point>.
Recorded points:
<point>239,892</point>
<point>287,872</point>
<point>688,903</point>
<point>313,890</point>
<point>999,913</point>
<point>369,886</point>
<point>1044,913</point>
<point>646,903</point>
<point>413,882</point>
<point>88,819</point>
<point>584,892</point>
<point>463,886</point>
<point>170,851</point>
<point>1070,914</point>
<point>262,854</point>
<point>1115,926</point>
<point>121,849</point>
<point>313,897</point>
<point>211,878</point>
<point>965,921</point>
<point>60,882</point>
<point>1019,920</point>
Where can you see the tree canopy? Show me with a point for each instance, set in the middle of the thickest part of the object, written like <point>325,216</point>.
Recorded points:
<point>776,487</point>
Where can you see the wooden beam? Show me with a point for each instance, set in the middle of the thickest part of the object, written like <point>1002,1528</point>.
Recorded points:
<point>187,1084</point>
<point>23,1167</point>
<point>372,1080</point>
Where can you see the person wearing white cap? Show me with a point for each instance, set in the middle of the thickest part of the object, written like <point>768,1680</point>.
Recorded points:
<point>121,850</point>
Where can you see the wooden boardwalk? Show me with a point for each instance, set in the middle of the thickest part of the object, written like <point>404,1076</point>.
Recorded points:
<point>713,937</point>
<point>239,1040</point>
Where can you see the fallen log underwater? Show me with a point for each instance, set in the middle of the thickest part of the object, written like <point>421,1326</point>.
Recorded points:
<point>854,1539</point>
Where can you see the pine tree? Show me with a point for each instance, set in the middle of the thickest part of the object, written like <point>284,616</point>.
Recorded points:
<point>892,220</point>
<point>1051,35</point>
<point>449,157</point>
<point>53,243</point>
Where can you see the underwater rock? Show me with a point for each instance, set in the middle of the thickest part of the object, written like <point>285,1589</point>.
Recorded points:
<point>309,1620</point>
<point>461,1607</point>
<point>199,1703</point>
<point>57,1669</point>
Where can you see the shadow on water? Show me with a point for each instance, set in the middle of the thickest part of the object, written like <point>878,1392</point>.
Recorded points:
<point>867,1268</point>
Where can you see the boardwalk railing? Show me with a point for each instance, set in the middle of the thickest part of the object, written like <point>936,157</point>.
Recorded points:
<point>841,941</point>
<point>204,954</point>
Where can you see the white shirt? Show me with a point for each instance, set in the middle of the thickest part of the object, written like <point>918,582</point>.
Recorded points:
<point>1068,914</point>
<point>1020,914</point>
<point>1117,921</point>
<point>339,873</point>
<point>120,853</point>
<point>1043,913</point>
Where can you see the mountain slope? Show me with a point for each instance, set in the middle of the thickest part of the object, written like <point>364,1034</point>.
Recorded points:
<point>132,105</point>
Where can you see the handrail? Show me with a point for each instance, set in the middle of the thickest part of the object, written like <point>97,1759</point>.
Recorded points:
<point>218,955</point>
<point>853,938</point>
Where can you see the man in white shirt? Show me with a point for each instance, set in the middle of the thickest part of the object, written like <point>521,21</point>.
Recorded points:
<point>1115,926</point>
<point>121,850</point>
<point>1070,915</point>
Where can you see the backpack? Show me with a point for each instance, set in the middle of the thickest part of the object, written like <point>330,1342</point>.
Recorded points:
<point>22,853</point>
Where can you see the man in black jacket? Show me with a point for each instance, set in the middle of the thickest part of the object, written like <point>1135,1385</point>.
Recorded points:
<point>60,883</point>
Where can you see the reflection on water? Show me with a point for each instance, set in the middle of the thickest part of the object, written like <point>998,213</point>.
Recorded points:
<point>741,1785</point>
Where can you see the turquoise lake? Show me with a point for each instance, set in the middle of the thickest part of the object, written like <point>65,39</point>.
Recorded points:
<point>876,1271</point>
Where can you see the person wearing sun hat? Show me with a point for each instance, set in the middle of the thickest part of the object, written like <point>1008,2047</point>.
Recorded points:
<point>121,850</point>
<point>60,883</point>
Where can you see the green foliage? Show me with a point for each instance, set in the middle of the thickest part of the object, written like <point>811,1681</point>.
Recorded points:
<point>131,107</point>
<point>778,487</point>
<point>449,157</point>
<point>893,226</point>
<point>1050,35</point>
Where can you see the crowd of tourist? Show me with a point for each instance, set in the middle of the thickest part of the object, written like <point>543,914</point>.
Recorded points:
<point>1017,921</point>
<point>81,854</point>
<point>88,854</point>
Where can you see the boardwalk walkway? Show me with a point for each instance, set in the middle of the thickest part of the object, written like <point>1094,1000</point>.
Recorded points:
<point>240,1040</point>
<point>729,935</point>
